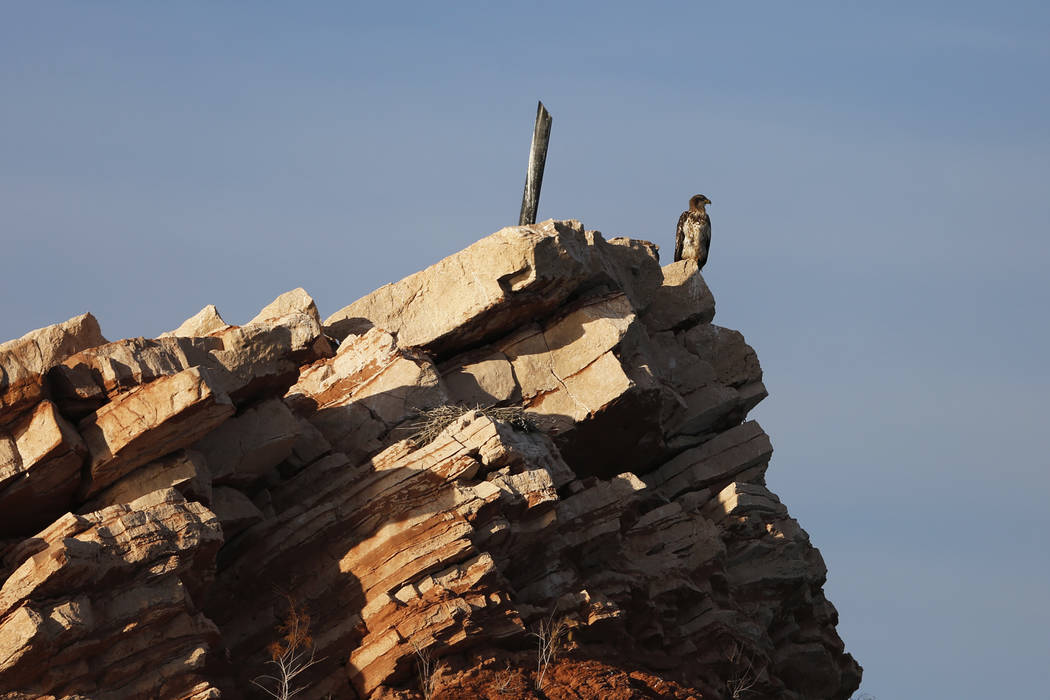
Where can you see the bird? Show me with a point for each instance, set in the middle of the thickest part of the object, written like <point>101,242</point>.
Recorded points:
<point>693,238</point>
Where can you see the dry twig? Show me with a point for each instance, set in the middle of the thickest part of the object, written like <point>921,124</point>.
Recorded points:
<point>548,640</point>
<point>746,679</point>
<point>425,668</point>
<point>432,421</point>
<point>292,654</point>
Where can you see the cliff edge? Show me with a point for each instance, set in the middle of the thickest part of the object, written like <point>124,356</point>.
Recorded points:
<point>525,471</point>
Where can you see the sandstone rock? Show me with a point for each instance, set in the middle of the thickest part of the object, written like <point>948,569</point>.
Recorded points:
<point>544,359</point>
<point>310,446</point>
<point>205,322</point>
<point>699,398</point>
<point>682,300</point>
<point>490,288</point>
<point>734,361</point>
<point>247,448</point>
<point>263,358</point>
<point>635,266</point>
<point>742,498</point>
<point>40,461</point>
<point>481,379</point>
<point>596,511</point>
<point>103,603</point>
<point>149,422</point>
<point>184,470</point>
<point>247,362</point>
<point>718,460</point>
<point>235,511</point>
<point>296,301</point>
<point>400,527</point>
<point>23,362</point>
<point>566,370</point>
<point>632,506</point>
<point>371,386</point>
<point>87,380</point>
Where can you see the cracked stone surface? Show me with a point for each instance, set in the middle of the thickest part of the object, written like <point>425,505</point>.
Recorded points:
<point>165,503</point>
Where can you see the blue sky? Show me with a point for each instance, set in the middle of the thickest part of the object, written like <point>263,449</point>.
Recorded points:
<point>878,172</point>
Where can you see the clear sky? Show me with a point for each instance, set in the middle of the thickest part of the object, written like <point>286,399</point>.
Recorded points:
<point>878,173</point>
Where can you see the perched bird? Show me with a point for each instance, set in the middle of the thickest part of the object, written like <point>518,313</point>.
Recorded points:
<point>692,240</point>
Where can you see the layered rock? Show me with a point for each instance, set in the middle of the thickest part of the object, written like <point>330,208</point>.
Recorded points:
<point>102,605</point>
<point>24,362</point>
<point>597,477</point>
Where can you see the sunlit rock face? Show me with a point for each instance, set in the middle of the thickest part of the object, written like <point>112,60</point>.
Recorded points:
<point>542,432</point>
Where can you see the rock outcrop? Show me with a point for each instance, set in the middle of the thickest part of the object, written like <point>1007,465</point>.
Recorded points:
<point>539,441</point>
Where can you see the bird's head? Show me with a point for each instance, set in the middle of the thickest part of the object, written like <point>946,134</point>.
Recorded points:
<point>698,202</point>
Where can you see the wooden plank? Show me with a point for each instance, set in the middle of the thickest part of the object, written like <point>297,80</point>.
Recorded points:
<point>530,200</point>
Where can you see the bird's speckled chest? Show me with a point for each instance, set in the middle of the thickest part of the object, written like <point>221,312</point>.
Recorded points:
<point>693,243</point>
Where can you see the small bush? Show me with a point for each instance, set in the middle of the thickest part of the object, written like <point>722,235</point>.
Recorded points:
<point>431,422</point>
<point>425,668</point>
<point>291,655</point>
<point>548,636</point>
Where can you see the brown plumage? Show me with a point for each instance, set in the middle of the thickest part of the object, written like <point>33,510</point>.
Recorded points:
<point>693,238</point>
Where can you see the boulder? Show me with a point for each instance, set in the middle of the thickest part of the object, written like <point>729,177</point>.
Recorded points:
<point>24,362</point>
<point>183,470</point>
<point>149,422</point>
<point>494,286</point>
<point>204,323</point>
<point>257,360</point>
<point>682,300</point>
<point>371,386</point>
<point>248,448</point>
<point>296,301</point>
<point>105,602</point>
<point>41,456</point>
<point>235,511</point>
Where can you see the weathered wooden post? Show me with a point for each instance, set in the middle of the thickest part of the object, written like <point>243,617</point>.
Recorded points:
<point>541,134</point>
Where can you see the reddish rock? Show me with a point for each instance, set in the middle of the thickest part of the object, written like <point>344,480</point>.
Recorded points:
<point>370,388</point>
<point>149,422</point>
<point>40,460</point>
<point>257,360</point>
<point>571,679</point>
<point>24,362</point>
<point>103,604</point>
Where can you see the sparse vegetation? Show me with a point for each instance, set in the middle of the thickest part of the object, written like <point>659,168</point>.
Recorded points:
<point>548,640</point>
<point>425,669</point>
<point>292,654</point>
<point>503,679</point>
<point>745,677</point>
<point>430,422</point>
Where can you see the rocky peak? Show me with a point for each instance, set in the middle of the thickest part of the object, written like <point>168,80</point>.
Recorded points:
<point>543,437</point>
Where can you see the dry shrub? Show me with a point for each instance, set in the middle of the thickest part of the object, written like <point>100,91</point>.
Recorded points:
<point>291,655</point>
<point>432,421</point>
<point>425,668</point>
<point>549,635</point>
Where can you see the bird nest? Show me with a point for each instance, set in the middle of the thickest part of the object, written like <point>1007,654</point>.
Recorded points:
<point>431,422</point>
